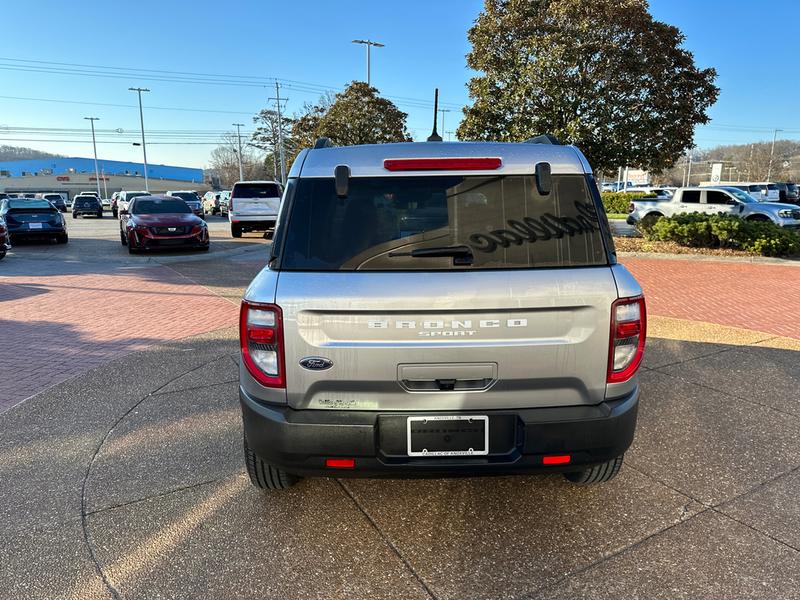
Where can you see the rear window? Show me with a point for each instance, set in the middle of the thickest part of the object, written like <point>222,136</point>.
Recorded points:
<point>131,195</point>
<point>187,196</point>
<point>470,222</point>
<point>158,206</point>
<point>29,204</point>
<point>256,190</point>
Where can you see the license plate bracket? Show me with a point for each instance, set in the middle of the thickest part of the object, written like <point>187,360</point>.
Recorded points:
<point>448,435</point>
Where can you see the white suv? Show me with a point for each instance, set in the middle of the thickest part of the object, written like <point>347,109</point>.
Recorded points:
<point>253,206</point>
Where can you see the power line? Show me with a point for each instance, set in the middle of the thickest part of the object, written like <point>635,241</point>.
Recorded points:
<point>87,103</point>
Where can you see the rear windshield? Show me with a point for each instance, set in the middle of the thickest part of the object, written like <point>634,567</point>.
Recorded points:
<point>131,195</point>
<point>256,190</point>
<point>187,196</point>
<point>442,223</point>
<point>158,206</point>
<point>29,205</point>
<point>86,199</point>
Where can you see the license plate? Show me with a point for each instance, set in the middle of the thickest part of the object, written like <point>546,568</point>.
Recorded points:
<point>34,225</point>
<point>448,435</point>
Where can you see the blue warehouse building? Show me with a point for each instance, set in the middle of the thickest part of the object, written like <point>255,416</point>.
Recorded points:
<point>75,165</point>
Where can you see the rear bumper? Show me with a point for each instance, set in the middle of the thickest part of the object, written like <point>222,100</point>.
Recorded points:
<point>35,234</point>
<point>253,222</point>
<point>299,441</point>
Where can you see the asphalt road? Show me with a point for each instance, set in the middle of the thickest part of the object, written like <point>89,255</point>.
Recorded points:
<point>126,481</point>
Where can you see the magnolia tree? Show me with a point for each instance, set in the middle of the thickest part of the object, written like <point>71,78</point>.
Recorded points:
<point>603,75</point>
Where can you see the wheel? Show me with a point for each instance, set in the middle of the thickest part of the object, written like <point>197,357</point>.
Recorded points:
<point>2,254</point>
<point>74,215</point>
<point>100,215</point>
<point>236,230</point>
<point>114,214</point>
<point>598,473</point>
<point>63,238</point>
<point>122,238</point>
<point>758,218</point>
<point>263,475</point>
<point>204,248</point>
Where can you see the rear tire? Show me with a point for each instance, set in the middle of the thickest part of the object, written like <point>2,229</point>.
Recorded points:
<point>263,475</point>
<point>236,230</point>
<point>649,220</point>
<point>597,473</point>
<point>2,254</point>
<point>63,238</point>
<point>74,215</point>
<point>100,215</point>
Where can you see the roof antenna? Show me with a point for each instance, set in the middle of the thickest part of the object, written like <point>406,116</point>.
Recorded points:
<point>435,137</point>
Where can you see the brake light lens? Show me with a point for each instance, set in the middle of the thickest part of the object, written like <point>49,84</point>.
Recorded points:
<point>442,164</point>
<point>261,343</point>
<point>626,343</point>
<point>631,207</point>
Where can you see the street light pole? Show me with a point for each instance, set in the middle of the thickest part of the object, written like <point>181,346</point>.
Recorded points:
<point>141,121</point>
<point>772,153</point>
<point>444,110</point>
<point>94,145</point>
<point>369,44</point>
<point>239,137</point>
<point>280,133</point>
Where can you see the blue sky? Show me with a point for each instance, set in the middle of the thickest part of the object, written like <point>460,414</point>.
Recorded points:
<point>310,42</point>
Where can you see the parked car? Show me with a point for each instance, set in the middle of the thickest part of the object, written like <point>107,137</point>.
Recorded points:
<point>224,202</point>
<point>5,239</point>
<point>792,193</point>
<point>33,219</point>
<point>159,222</point>
<point>192,199</point>
<point>106,202</point>
<point>57,200</point>
<point>123,198</point>
<point>440,309</point>
<point>211,202</point>
<point>86,204</point>
<point>253,206</point>
<point>714,200</point>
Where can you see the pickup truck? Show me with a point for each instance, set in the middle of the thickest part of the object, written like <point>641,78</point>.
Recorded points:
<point>714,200</point>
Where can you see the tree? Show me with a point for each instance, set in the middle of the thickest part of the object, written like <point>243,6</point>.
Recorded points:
<point>224,162</point>
<point>355,116</point>
<point>266,138</point>
<point>603,75</point>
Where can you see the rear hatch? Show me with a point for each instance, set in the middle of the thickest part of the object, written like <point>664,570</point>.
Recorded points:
<point>255,199</point>
<point>444,293</point>
<point>32,215</point>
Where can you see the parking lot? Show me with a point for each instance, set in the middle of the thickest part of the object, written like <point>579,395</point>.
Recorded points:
<point>122,473</point>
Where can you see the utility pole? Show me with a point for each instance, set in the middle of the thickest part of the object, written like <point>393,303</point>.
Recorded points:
<point>105,185</point>
<point>277,99</point>
<point>369,44</point>
<point>94,145</point>
<point>772,153</point>
<point>444,110</point>
<point>689,176</point>
<point>141,121</point>
<point>239,137</point>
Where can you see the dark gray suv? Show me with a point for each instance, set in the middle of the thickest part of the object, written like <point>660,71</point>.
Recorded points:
<point>434,309</point>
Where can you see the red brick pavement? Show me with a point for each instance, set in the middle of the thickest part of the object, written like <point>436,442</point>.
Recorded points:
<point>54,327</point>
<point>762,297</point>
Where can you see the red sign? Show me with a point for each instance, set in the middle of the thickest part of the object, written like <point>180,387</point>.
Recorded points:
<point>62,178</point>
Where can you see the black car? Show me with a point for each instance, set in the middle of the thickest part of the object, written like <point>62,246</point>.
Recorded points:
<point>86,205</point>
<point>792,193</point>
<point>57,200</point>
<point>33,219</point>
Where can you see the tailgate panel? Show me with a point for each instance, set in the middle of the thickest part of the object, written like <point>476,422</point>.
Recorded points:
<point>533,337</point>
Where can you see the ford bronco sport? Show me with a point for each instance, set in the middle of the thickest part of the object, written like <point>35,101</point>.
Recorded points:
<point>438,309</point>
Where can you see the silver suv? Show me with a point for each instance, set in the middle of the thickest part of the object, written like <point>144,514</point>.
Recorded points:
<point>440,309</point>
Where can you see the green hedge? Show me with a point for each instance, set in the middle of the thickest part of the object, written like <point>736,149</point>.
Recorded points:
<point>617,202</point>
<point>725,231</point>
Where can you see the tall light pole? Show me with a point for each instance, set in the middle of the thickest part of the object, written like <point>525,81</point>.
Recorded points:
<point>772,153</point>
<point>94,145</point>
<point>369,44</point>
<point>239,137</point>
<point>141,121</point>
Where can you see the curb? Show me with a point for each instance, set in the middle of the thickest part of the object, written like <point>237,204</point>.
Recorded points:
<point>756,260</point>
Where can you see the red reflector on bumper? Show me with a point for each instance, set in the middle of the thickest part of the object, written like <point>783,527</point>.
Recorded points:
<point>561,459</point>
<point>340,463</point>
<point>442,164</point>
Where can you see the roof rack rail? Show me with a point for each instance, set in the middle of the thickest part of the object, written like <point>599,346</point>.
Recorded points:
<point>323,142</point>
<point>544,139</point>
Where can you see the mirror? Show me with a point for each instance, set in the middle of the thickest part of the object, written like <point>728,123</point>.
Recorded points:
<point>544,183</point>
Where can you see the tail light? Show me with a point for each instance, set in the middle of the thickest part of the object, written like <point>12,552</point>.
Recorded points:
<point>626,344</point>
<point>261,343</point>
<point>631,207</point>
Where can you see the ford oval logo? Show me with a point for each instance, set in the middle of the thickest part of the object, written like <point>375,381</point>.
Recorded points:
<point>316,363</point>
